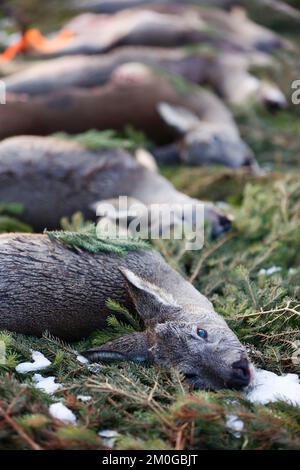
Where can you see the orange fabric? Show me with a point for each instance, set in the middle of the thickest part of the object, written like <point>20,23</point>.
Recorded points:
<point>37,41</point>
<point>13,50</point>
<point>33,39</point>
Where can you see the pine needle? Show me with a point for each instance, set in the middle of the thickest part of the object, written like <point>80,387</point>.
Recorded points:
<point>88,239</point>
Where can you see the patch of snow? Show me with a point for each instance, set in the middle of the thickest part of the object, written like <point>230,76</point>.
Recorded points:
<point>94,368</point>
<point>46,384</point>
<point>61,412</point>
<point>84,397</point>
<point>292,271</point>
<point>269,271</point>
<point>109,437</point>
<point>235,425</point>
<point>82,359</point>
<point>108,433</point>
<point>39,362</point>
<point>267,387</point>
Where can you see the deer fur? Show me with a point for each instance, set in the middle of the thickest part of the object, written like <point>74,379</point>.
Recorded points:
<point>156,24</point>
<point>227,73</point>
<point>46,286</point>
<point>112,6</point>
<point>198,125</point>
<point>55,178</point>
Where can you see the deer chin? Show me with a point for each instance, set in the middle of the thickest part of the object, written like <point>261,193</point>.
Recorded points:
<point>198,382</point>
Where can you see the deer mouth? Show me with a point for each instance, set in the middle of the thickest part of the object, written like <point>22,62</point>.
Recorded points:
<point>205,382</point>
<point>193,380</point>
<point>190,376</point>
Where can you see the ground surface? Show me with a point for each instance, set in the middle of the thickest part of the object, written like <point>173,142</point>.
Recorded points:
<point>149,408</point>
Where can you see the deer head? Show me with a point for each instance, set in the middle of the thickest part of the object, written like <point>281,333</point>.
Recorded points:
<point>207,142</point>
<point>187,337</point>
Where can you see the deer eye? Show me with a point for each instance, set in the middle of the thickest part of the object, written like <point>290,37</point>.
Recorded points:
<point>202,333</point>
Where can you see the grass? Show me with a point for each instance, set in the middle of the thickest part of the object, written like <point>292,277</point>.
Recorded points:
<point>10,218</point>
<point>154,409</point>
<point>149,407</point>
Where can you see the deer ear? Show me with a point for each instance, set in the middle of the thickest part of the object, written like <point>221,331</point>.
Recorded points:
<point>182,119</point>
<point>153,304</point>
<point>133,347</point>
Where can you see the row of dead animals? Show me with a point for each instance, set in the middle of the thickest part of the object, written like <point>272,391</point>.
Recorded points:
<point>48,286</point>
<point>270,7</point>
<point>120,84</point>
<point>45,285</point>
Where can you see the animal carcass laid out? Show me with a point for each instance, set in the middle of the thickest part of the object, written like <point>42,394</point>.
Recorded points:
<point>113,6</point>
<point>165,26</point>
<point>227,73</point>
<point>55,178</point>
<point>199,127</point>
<point>48,285</point>
<point>224,65</point>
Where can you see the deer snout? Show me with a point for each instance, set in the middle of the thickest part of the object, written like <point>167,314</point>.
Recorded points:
<point>240,376</point>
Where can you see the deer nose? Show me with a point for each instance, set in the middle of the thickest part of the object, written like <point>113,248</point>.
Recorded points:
<point>220,227</point>
<point>248,162</point>
<point>240,376</point>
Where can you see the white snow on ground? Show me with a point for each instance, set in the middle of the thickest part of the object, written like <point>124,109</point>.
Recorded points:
<point>82,359</point>
<point>267,387</point>
<point>94,368</point>
<point>84,397</point>
<point>269,271</point>
<point>235,425</point>
<point>39,362</point>
<point>46,384</point>
<point>61,412</point>
<point>109,437</point>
